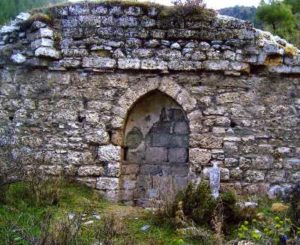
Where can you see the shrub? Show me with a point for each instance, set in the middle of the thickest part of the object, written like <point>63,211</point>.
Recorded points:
<point>294,201</point>
<point>200,207</point>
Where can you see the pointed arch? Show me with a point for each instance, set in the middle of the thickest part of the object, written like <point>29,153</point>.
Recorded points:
<point>155,148</point>
<point>133,94</point>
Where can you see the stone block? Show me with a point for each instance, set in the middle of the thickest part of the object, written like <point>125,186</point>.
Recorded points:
<point>254,176</point>
<point>98,62</point>
<point>106,183</point>
<point>130,169</point>
<point>99,10</point>
<point>181,128</point>
<point>199,156</point>
<point>177,155</point>
<point>231,97</point>
<point>129,63</point>
<point>152,64</point>
<point>90,171</point>
<point>207,141</point>
<point>156,155</point>
<point>43,42</point>
<point>295,177</point>
<point>41,33</point>
<point>215,65</point>
<point>54,170</point>
<point>97,135</point>
<point>109,153</point>
<point>112,170</point>
<point>236,173</point>
<point>181,141</point>
<point>263,162</point>
<point>292,163</point>
<point>276,176</point>
<point>47,52</point>
<point>150,170</point>
<point>179,170</point>
<point>90,182</point>
<point>160,139</point>
<point>129,184</point>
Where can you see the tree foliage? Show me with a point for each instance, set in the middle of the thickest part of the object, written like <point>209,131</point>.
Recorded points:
<point>281,18</point>
<point>10,8</point>
<point>243,13</point>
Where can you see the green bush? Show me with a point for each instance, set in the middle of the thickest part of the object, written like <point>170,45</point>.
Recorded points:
<point>198,205</point>
<point>294,201</point>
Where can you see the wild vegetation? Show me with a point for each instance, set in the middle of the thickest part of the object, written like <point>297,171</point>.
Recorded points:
<point>279,17</point>
<point>10,8</point>
<point>43,210</point>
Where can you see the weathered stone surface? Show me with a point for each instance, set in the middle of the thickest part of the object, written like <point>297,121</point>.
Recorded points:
<point>109,153</point>
<point>43,42</point>
<point>208,141</point>
<point>99,136</point>
<point>151,64</point>
<point>98,62</point>
<point>71,111</point>
<point>254,176</point>
<point>199,156</point>
<point>216,65</point>
<point>292,163</point>
<point>90,171</point>
<point>129,64</point>
<point>104,183</point>
<point>18,58</point>
<point>47,52</point>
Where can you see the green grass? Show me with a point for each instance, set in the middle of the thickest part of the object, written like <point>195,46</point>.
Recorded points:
<point>21,215</point>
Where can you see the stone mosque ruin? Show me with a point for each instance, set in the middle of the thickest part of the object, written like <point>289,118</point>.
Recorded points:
<point>130,99</point>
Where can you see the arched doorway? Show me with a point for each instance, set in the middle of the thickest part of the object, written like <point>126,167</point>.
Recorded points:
<point>155,149</point>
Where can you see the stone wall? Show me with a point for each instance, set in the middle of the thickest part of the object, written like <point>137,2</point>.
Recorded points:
<point>71,90</point>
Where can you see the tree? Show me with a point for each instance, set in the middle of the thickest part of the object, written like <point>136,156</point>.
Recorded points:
<point>10,8</point>
<point>243,13</point>
<point>278,16</point>
<point>295,4</point>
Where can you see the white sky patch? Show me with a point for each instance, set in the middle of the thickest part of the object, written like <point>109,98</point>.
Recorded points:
<point>215,4</point>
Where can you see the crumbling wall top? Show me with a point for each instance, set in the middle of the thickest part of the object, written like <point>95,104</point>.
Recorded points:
<point>106,36</point>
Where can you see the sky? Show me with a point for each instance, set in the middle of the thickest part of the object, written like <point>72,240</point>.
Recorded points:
<point>215,4</point>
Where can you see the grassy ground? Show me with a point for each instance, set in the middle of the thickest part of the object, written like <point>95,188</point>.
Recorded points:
<point>23,221</point>
<point>60,212</point>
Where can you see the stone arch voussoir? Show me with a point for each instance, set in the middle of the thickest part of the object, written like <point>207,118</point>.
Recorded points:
<point>134,93</point>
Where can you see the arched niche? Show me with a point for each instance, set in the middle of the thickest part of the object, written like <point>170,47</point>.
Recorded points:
<point>155,149</point>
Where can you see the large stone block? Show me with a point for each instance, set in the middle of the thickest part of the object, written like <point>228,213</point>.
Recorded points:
<point>199,156</point>
<point>99,62</point>
<point>292,163</point>
<point>106,183</point>
<point>207,141</point>
<point>156,155</point>
<point>215,65</point>
<point>109,153</point>
<point>254,176</point>
<point>90,171</point>
<point>177,155</point>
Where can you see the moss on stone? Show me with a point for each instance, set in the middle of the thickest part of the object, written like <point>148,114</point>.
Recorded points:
<point>38,16</point>
<point>290,50</point>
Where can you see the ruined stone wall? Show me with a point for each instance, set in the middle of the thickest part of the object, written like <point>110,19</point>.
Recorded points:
<point>69,89</point>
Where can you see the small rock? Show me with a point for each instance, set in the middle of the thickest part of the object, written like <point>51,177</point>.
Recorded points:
<point>145,228</point>
<point>97,216</point>
<point>175,46</point>
<point>279,207</point>
<point>71,216</point>
<point>89,222</point>
<point>18,58</point>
